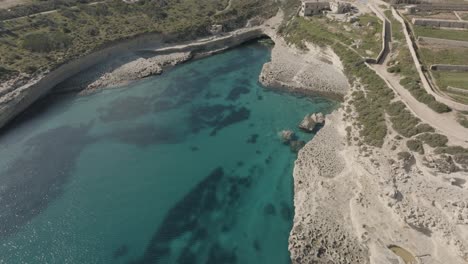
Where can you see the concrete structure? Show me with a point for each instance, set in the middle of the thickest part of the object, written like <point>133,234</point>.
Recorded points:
<point>449,67</point>
<point>216,29</point>
<point>411,9</point>
<point>313,7</point>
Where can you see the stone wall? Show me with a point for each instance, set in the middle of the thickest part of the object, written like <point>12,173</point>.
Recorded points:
<point>440,23</point>
<point>386,38</point>
<point>457,90</point>
<point>448,67</point>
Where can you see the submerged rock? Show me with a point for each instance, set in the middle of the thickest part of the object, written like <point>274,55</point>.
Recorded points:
<point>310,121</point>
<point>287,136</point>
<point>296,145</point>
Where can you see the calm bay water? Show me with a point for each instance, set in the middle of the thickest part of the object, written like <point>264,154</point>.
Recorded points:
<point>186,167</point>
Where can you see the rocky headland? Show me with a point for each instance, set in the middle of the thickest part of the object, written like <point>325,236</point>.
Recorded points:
<point>313,72</point>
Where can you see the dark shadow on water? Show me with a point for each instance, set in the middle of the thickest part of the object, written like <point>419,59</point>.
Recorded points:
<point>252,139</point>
<point>145,135</point>
<point>236,92</point>
<point>120,252</point>
<point>216,117</point>
<point>125,108</point>
<point>199,217</point>
<point>37,176</point>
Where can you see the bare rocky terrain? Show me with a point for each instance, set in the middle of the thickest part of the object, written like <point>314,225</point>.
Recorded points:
<point>316,71</point>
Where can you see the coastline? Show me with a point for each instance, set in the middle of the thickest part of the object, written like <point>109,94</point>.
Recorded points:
<point>17,95</point>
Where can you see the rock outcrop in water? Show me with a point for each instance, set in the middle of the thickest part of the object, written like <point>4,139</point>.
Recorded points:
<point>310,121</point>
<point>287,136</point>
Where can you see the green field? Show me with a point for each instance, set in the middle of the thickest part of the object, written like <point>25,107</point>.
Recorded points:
<point>454,56</point>
<point>441,33</point>
<point>464,16</point>
<point>454,79</point>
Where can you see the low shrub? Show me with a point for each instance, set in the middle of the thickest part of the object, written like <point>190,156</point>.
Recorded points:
<point>404,155</point>
<point>433,139</point>
<point>415,146</point>
<point>46,42</point>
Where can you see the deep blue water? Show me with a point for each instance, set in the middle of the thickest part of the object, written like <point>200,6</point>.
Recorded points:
<point>186,167</point>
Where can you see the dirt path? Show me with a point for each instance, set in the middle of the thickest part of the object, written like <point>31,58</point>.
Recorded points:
<point>40,13</point>
<point>445,123</point>
<point>225,9</point>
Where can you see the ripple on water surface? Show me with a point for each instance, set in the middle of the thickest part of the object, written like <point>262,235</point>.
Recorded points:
<point>186,167</point>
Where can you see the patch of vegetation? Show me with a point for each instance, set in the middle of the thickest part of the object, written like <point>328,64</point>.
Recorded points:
<point>413,84</point>
<point>404,155</point>
<point>452,150</point>
<point>5,73</point>
<point>462,120</point>
<point>415,146</point>
<point>464,16</point>
<point>404,122</point>
<point>461,158</point>
<point>45,42</point>
<point>433,139</point>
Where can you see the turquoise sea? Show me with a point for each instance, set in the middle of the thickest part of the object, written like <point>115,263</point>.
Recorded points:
<point>186,167</point>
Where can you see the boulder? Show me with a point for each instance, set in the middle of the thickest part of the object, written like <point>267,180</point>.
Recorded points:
<point>287,136</point>
<point>310,121</point>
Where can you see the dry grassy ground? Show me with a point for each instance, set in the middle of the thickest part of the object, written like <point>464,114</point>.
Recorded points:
<point>10,3</point>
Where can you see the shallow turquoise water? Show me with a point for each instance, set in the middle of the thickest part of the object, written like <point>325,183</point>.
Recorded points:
<point>186,167</point>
